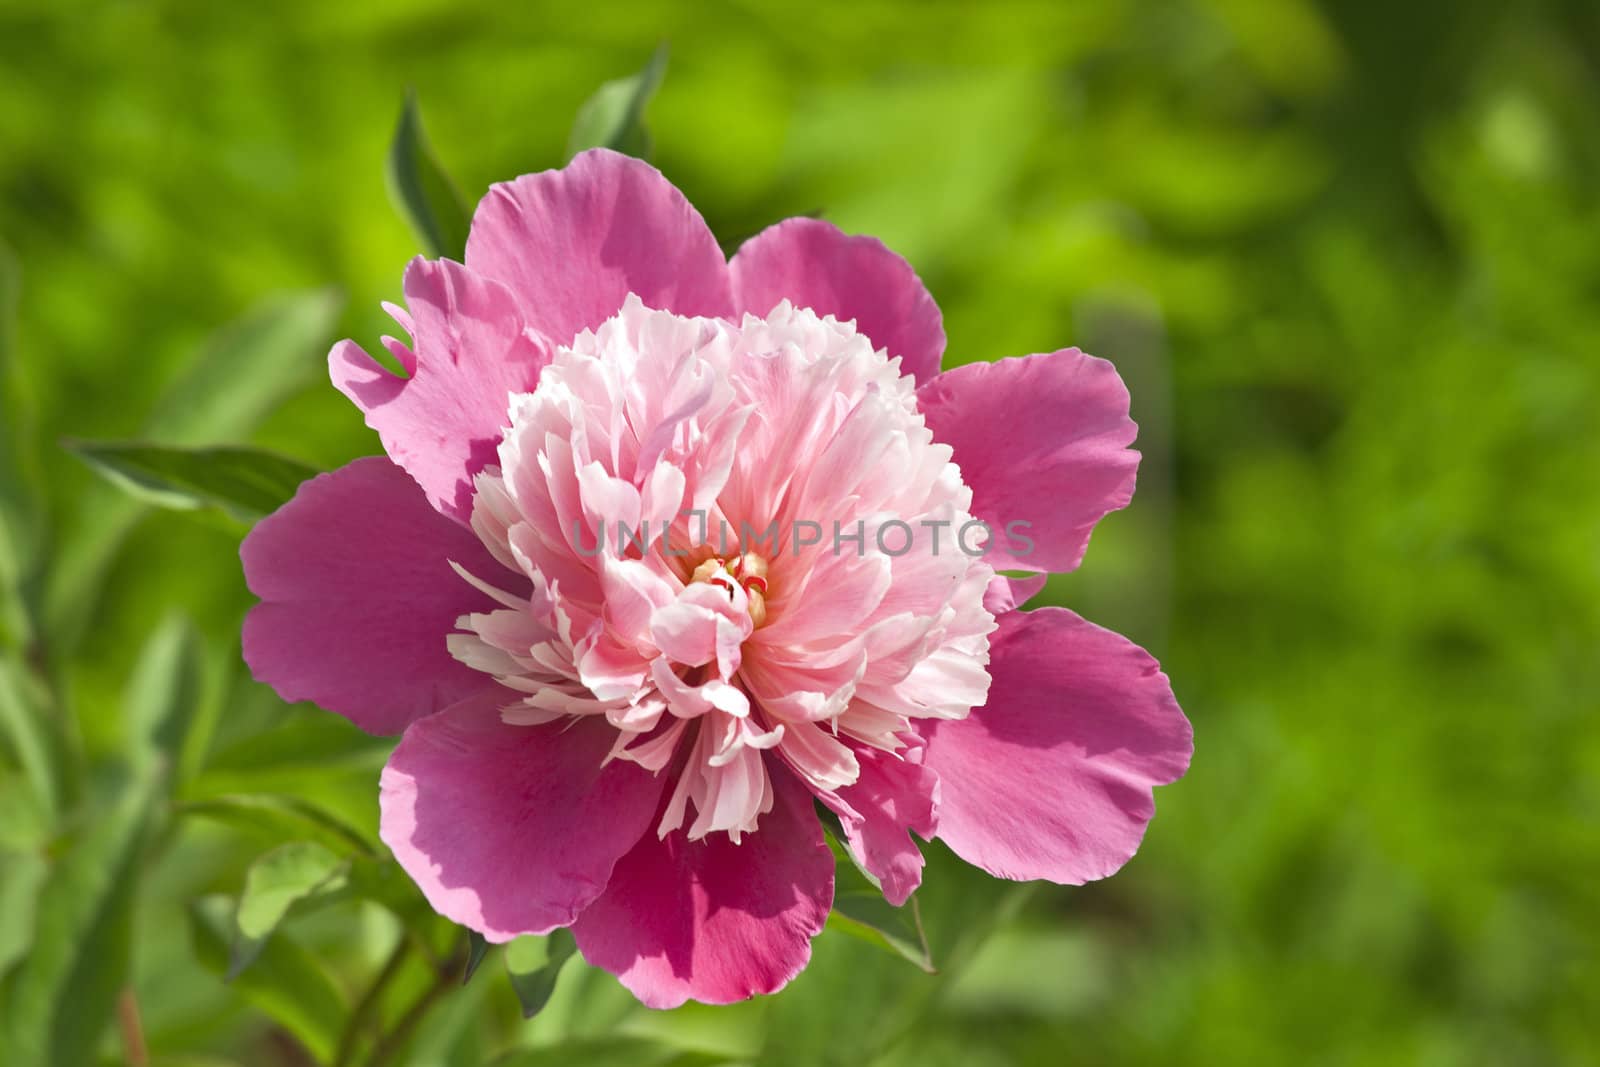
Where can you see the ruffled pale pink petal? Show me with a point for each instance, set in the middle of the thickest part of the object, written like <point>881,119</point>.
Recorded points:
<point>511,830</point>
<point>470,352</point>
<point>816,265</point>
<point>891,797</point>
<point>1052,778</point>
<point>712,920</point>
<point>573,243</point>
<point>357,597</point>
<point>1043,442</point>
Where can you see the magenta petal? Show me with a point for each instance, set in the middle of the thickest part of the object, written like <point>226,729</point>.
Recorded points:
<point>891,797</point>
<point>511,830</point>
<point>711,920</point>
<point>1052,777</point>
<point>814,264</point>
<point>573,243</point>
<point>471,353</point>
<point>1008,594</point>
<point>358,597</point>
<point>1043,441</point>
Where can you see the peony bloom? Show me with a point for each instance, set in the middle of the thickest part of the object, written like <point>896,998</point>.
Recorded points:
<point>667,548</point>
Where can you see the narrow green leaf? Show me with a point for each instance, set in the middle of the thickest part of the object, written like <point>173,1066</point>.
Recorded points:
<point>286,982</point>
<point>244,482</point>
<point>421,189</point>
<point>241,374</point>
<point>279,818</point>
<point>25,724</point>
<point>477,949</point>
<point>860,910</point>
<point>534,964</point>
<point>614,116</point>
<point>865,914</point>
<point>61,996</point>
<point>163,694</point>
<point>276,882</point>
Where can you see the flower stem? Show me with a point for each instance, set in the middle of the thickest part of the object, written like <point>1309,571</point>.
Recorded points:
<point>368,1004</point>
<point>446,975</point>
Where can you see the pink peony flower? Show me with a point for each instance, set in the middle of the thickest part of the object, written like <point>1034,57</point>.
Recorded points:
<point>667,546</point>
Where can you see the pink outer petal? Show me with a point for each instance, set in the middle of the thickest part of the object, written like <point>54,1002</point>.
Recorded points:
<point>1052,777</point>
<point>1041,440</point>
<point>891,797</point>
<point>711,920</point>
<point>443,423</point>
<point>814,264</point>
<point>573,243</point>
<point>511,830</point>
<point>358,597</point>
<point>1008,594</point>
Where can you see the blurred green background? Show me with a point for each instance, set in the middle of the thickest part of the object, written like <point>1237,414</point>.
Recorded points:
<point>1347,257</point>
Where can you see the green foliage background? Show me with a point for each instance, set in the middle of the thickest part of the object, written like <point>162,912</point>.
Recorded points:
<point>1347,256</point>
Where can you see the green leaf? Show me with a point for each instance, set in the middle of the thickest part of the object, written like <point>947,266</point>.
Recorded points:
<point>241,374</point>
<point>163,694</point>
<point>244,482</point>
<point>422,191</point>
<point>279,818</point>
<point>286,982</point>
<point>60,997</point>
<point>25,724</point>
<point>477,949</point>
<point>614,116</point>
<point>276,882</point>
<point>534,964</point>
<point>865,914</point>
<point>860,910</point>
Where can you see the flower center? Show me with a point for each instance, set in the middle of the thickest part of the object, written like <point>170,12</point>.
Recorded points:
<point>747,571</point>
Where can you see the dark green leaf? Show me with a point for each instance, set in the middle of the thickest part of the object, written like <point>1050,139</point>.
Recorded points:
<point>614,116</point>
<point>859,908</point>
<point>477,949</point>
<point>244,372</point>
<point>61,996</point>
<point>421,189</point>
<point>247,483</point>
<point>534,964</point>
<point>286,982</point>
<point>163,694</point>
<point>276,882</point>
<point>865,914</point>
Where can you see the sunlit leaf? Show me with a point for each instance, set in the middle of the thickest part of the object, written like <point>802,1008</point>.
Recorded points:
<point>286,982</point>
<point>247,483</point>
<point>421,189</point>
<point>275,883</point>
<point>534,964</point>
<point>614,116</point>
<point>60,998</point>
